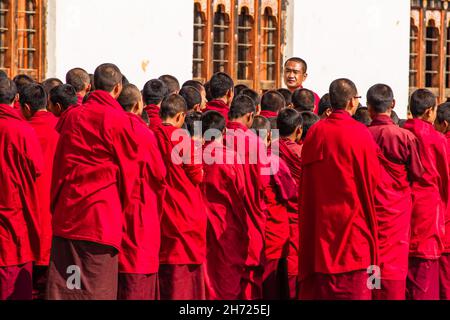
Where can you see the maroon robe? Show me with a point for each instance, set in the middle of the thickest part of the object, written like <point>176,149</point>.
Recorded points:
<point>444,269</point>
<point>223,191</point>
<point>269,114</point>
<point>219,106</point>
<point>21,164</point>
<point>401,166</point>
<point>338,231</point>
<point>153,115</point>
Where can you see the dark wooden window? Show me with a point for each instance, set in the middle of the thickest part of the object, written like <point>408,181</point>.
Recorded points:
<point>221,41</point>
<point>199,69</point>
<point>432,56</point>
<point>245,46</point>
<point>414,55</point>
<point>21,34</point>
<point>269,52</point>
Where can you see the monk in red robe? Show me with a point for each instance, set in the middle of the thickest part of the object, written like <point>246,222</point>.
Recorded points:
<point>295,74</point>
<point>21,165</point>
<point>221,89</point>
<point>34,108</point>
<point>290,124</point>
<point>183,220</point>
<point>252,154</point>
<point>223,192</point>
<point>430,200</point>
<point>443,125</point>
<point>338,232</point>
<point>201,88</point>
<point>280,197</point>
<point>61,99</point>
<point>139,256</point>
<point>325,108</point>
<point>96,154</point>
<point>272,103</point>
<point>401,167</point>
<point>81,81</point>
<point>153,94</point>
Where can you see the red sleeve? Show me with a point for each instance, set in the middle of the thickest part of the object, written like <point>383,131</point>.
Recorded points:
<point>194,170</point>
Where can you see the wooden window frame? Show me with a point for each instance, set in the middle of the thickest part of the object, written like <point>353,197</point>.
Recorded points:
<point>17,25</point>
<point>256,9</point>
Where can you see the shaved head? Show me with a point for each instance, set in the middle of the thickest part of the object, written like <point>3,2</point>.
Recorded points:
<point>129,97</point>
<point>341,92</point>
<point>171,82</point>
<point>107,76</point>
<point>51,83</point>
<point>78,78</point>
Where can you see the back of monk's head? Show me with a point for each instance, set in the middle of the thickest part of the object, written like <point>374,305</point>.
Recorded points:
<point>252,94</point>
<point>192,118</point>
<point>154,92</point>
<point>273,101</point>
<point>221,85</point>
<point>79,79</point>
<point>287,94</point>
<point>241,106</point>
<point>33,98</point>
<point>130,99</point>
<point>172,106</point>
<point>213,120</point>
<point>194,83</point>
<point>62,98</point>
<point>289,121</point>
<point>380,98</point>
<point>342,91</point>
<point>171,82</point>
<point>325,104</point>
<point>421,101</point>
<point>107,77</point>
<point>303,100</point>
<point>8,91</point>
<point>443,118</point>
<point>3,75</point>
<point>21,81</point>
<point>239,88</point>
<point>262,127</point>
<point>51,83</point>
<point>362,115</point>
<point>193,98</point>
<point>309,119</point>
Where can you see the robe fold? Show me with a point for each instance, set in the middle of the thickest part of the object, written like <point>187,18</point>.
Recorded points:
<point>223,192</point>
<point>44,123</point>
<point>269,114</point>
<point>96,153</point>
<point>153,115</point>
<point>21,164</point>
<point>340,173</point>
<point>401,167</point>
<point>430,193</point>
<point>183,220</point>
<point>141,236</point>
<point>219,106</point>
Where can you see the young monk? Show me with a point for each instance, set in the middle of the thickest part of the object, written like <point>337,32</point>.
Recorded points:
<point>21,81</point>
<point>51,83</point>
<point>402,166</point>
<point>34,108</point>
<point>303,100</point>
<point>443,125</point>
<point>193,98</point>
<point>81,81</point>
<point>338,235</point>
<point>223,192</point>
<point>430,200</point>
<point>221,88</point>
<point>309,119</point>
<point>153,94</point>
<point>96,154</point>
<point>201,88</point>
<point>253,155</point>
<point>280,197</point>
<point>362,115</point>
<point>272,103</point>
<point>290,124</point>
<point>255,97</point>
<point>21,165</point>
<point>183,221</point>
<point>139,256</point>
<point>287,97</point>
<point>61,99</point>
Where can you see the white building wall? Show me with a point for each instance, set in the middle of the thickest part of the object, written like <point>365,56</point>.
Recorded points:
<point>145,38</point>
<point>364,40</point>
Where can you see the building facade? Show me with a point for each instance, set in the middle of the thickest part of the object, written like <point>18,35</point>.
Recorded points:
<point>368,41</point>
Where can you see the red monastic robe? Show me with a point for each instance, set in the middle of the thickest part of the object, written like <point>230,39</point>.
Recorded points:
<point>142,236</point>
<point>21,163</point>
<point>223,191</point>
<point>183,220</point>
<point>338,232</point>
<point>153,115</point>
<point>401,166</point>
<point>430,194</point>
<point>269,114</point>
<point>44,124</point>
<point>447,219</point>
<point>219,106</point>
<point>96,154</point>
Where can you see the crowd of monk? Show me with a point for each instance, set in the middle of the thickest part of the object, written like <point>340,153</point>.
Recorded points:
<point>93,205</point>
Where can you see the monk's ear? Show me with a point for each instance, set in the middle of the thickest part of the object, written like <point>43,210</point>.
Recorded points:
<point>230,95</point>
<point>117,90</point>
<point>394,103</point>
<point>26,110</point>
<point>16,98</point>
<point>198,108</point>
<point>299,133</point>
<point>89,87</point>
<point>58,109</point>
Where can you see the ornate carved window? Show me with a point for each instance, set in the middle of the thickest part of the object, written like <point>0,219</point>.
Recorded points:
<point>240,37</point>
<point>21,35</point>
